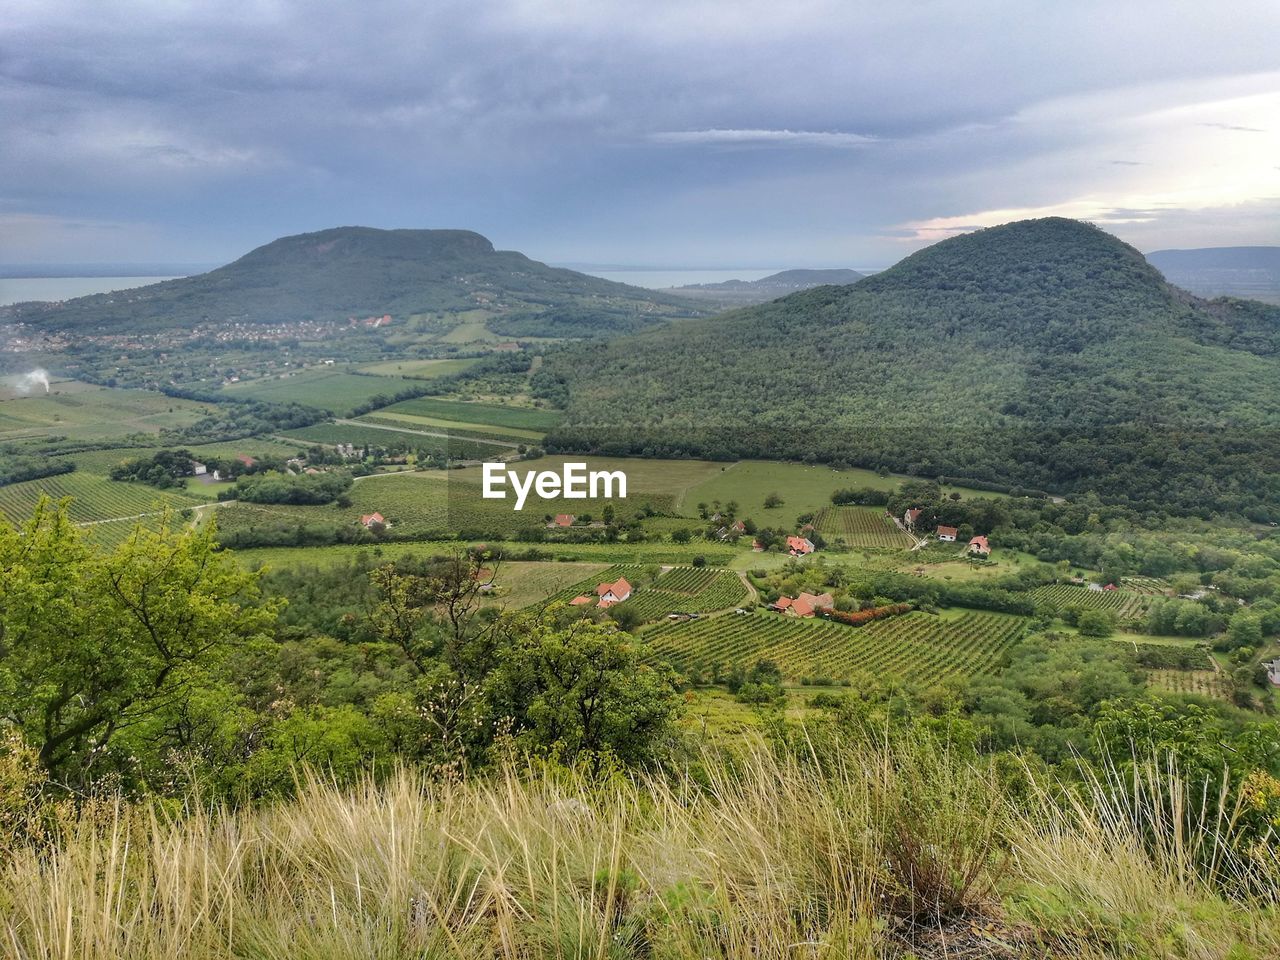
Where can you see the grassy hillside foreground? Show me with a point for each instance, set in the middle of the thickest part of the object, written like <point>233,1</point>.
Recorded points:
<point>904,852</point>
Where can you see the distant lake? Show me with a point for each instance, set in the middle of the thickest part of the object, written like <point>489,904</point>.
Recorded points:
<point>662,279</point>
<point>16,290</point>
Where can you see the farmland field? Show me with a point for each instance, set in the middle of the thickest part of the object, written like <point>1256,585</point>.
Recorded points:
<point>459,411</point>
<point>96,414</point>
<point>1150,586</point>
<point>1205,683</point>
<point>916,646</point>
<point>94,497</point>
<point>420,369</point>
<point>861,527</point>
<point>1122,603</point>
<point>411,421</point>
<point>462,448</point>
<point>680,589</point>
<point>522,583</point>
<point>327,389</point>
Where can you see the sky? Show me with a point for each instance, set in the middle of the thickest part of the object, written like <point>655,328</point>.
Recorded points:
<point>646,133</point>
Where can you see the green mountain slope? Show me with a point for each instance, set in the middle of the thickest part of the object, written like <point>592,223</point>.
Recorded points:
<point>360,272</point>
<point>1044,353</point>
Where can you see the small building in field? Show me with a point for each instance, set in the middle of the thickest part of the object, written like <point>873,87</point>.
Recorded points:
<point>611,593</point>
<point>757,546</point>
<point>371,520</point>
<point>579,600</point>
<point>911,516</point>
<point>799,546</point>
<point>1273,672</point>
<point>198,469</point>
<point>980,546</point>
<point>947,534</point>
<point>562,520</point>
<point>1110,587</point>
<point>737,528</point>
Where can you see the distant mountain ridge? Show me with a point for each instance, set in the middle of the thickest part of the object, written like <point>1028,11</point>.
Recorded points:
<point>333,274</point>
<point>1223,271</point>
<point>742,292</point>
<point>1045,354</point>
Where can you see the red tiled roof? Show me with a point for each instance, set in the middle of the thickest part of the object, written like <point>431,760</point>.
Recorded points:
<point>369,518</point>
<point>620,589</point>
<point>799,545</point>
<point>564,519</point>
<point>912,514</point>
<point>579,601</point>
<point>981,544</point>
<point>947,531</point>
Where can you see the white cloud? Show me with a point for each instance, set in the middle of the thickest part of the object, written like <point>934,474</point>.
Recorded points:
<point>800,138</point>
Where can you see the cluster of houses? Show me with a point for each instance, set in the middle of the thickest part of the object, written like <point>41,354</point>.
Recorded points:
<point>803,605</point>
<point>199,469</point>
<point>978,546</point>
<point>607,594</point>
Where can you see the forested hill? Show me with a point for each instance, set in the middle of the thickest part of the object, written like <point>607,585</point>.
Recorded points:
<point>1045,354</point>
<point>361,272</point>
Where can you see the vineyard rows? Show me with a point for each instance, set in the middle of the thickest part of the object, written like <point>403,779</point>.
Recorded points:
<point>94,498</point>
<point>679,590</point>
<point>1122,603</point>
<point>917,646</point>
<point>861,527</point>
<point>1148,586</point>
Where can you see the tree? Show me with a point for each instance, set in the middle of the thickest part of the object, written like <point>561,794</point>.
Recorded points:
<point>95,643</point>
<point>581,692</point>
<point>773,500</point>
<point>1095,623</point>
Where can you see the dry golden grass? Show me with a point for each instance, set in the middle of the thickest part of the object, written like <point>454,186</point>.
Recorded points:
<point>762,858</point>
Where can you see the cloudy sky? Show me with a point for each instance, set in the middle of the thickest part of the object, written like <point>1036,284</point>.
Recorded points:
<point>643,133</point>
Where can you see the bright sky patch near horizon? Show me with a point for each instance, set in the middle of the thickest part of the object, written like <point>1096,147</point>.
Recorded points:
<point>641,132</point>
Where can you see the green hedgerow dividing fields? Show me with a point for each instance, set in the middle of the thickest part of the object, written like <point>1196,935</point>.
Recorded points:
<point>862,527</point>
<point>1123,603</point>
<point>93,497</point>
<point>916,647</point>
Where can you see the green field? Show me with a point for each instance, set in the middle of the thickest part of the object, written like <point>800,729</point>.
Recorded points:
<point>94,497</point>
<point>407,421</point>
<point>419,369</point>
<point>327,388</point>
<point>861,527</point>
<point>1204,683</point>
<point>803,488</point>
<point>677,590</point>
<point>90,413</point>
<point>522,583</point>
<point>490,414</point>
<point>917,646</point>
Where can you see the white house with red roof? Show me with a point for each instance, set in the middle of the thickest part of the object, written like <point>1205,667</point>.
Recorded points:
<point>911,516</point>
<point>562,520</point>
<point>980,546</point>
<point>370,520</point>
<point>947,534</point>
<point>611,593</point>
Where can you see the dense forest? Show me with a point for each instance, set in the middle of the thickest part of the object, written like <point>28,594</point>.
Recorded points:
<point>1045,354</point>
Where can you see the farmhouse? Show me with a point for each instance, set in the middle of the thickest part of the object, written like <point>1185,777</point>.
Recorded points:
<point>561,520</point>
<point>980,546</point>
<point>611,593</point>
<point>947,534</point>
<point>804,605</point>
<point>799,546</point>
<point>370,520</point>
<point>911,516</point>
<point>737,528</point>
<point>198,469</point>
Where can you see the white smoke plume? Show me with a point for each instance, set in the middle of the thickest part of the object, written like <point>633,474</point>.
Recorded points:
<point>30,381</point>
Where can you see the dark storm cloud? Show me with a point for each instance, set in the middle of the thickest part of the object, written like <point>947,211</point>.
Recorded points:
<point>609,131</point>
